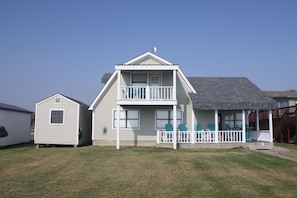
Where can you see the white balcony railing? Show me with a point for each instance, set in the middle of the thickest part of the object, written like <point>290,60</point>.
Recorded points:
<point>146,93</point>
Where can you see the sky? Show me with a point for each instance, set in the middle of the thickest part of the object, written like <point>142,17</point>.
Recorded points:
<point>66,46</point>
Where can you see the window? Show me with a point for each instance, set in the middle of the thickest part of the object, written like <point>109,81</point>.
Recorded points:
<point>232,120</point>
<point>57,100</point>
<point>139,79</point>
<point>128,119</point>
<point>57,117</point>
<point>166,116</point>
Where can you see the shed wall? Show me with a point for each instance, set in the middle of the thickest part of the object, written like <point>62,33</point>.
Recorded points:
<point>17,125</point>
<point>66,133</point>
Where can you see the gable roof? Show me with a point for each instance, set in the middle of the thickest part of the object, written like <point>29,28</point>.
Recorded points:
<point>8,107</point>
<point>61,95</point>
<point>228,93</point>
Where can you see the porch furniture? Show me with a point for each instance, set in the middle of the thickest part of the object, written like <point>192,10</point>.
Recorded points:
<point>227,127</point>
<point>211,127</point>
<point>169,132</point>
<point>248,135</point>
<point>183,133</point>
<point>197,127</point>
<point>198,132</point>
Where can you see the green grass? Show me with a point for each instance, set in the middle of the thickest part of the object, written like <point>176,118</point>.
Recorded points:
<point>143,172</point>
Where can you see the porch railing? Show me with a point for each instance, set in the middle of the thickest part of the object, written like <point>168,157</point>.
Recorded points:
<point>146,93</point>
<point>205,136</point>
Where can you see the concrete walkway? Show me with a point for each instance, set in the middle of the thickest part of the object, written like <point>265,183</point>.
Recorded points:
<point>277,150</point>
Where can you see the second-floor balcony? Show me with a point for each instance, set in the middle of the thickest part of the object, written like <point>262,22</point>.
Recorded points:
<point>146,93</point>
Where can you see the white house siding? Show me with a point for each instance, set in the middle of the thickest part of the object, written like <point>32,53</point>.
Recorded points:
<point>183,102</point>
<point>17,125</point>
<point>66,133</point>
<point>148,62</point>
<point>85,125</point>
<point>103,134</point>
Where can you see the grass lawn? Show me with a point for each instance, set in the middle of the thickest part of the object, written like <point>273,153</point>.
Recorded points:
<point>143,172</point>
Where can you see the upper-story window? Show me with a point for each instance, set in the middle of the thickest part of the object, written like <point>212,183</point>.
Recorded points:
<point>139,79</point>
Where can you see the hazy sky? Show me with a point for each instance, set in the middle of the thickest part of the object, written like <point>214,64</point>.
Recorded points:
<point>66,46</point>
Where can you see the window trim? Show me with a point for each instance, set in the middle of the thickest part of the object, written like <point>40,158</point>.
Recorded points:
<point>50,116</point>
<point>114,111</point>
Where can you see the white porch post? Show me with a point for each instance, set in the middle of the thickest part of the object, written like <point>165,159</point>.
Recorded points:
<point>174,128</point>
<point>174,85</point>
<point>118,127</point>
<point>216,127</point>
<point>243,126</point>
<point>270,126</point>
<point>174,110</point>
<point>257,120</point>
<point>193,127</point>
<point>118,111</point>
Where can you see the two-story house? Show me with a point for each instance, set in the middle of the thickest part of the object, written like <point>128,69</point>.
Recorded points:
<point>148,101</point>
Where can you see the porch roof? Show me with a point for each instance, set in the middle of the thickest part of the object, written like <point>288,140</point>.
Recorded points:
<point>228,93</point>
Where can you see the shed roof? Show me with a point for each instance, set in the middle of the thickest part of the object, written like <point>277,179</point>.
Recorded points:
<point>8,107</point>
<point>228,93</point>
<point>69,98</point>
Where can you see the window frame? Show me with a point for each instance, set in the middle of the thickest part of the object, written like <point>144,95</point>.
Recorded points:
<point>234,117</point>
<point>56,123</point>
<point>168,119</point>
<point>125,119</point>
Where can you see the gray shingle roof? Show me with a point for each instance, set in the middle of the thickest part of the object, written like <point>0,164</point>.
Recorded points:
<point>13,108</point>
<point>282,94</point>
<point>228,93</point>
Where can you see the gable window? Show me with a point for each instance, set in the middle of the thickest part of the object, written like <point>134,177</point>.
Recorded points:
<point>128,119</point>
<point>164,117</point>
<point>57,100</point>
<point>57,117</point>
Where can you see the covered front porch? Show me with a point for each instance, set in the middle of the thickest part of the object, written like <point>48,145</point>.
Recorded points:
<point>217,132</point>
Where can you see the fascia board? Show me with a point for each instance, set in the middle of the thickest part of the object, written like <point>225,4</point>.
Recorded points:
<point>146,67</point>
<point>186,80</point>
<point>148,54</point>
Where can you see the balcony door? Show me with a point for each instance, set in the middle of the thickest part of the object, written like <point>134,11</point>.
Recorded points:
<point>155,83</point>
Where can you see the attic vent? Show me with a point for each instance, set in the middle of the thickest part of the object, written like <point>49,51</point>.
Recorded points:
<point>57,100</point>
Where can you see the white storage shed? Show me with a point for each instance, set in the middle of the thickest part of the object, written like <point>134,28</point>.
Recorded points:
<point>15,125</point>
<point>61,120</point>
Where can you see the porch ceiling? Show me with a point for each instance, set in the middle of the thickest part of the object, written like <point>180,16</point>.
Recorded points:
<point>228,93</point>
